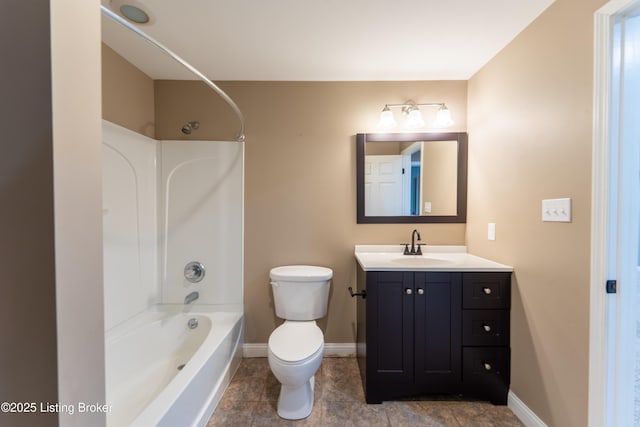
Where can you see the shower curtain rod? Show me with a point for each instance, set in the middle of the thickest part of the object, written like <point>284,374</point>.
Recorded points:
<point>148,38</point>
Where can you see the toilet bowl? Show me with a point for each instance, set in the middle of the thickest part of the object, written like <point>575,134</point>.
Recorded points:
<point>295,348</point>
<point>295,353</point>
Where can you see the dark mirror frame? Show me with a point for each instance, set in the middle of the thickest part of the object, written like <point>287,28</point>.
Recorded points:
<point>461,137</point>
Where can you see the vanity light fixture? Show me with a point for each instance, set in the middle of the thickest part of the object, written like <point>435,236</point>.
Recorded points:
<point>415,120</point>
<point>414,116</point>
<point>443,117</point>
<point>387,121</point>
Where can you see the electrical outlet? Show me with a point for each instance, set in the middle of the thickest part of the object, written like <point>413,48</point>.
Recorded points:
<point>491,231</point>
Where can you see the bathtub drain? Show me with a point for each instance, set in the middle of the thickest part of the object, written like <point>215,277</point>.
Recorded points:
<point>193,323</point>
<point>180,367</point>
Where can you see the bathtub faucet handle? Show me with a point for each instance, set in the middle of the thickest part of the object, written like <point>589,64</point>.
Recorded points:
<point>194,272</point>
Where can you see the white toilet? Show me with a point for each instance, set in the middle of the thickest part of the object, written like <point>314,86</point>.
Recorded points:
<point>300,293</point>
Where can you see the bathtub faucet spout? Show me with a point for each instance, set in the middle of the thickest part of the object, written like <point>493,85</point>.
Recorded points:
<point>191,297</point>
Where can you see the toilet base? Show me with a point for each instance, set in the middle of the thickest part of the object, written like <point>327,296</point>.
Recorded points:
<point>296,403</point>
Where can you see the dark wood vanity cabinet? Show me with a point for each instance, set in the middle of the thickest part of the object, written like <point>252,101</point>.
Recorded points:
<point>434,333</point>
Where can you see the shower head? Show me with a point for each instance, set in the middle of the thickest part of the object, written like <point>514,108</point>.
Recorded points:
<point>186,129</point>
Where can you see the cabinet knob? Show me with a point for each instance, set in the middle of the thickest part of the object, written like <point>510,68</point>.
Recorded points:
<point>420,291</point>
<point>487,366</point>
<point>487,328</point>
<point>408,291</point>
<point>487,291</point>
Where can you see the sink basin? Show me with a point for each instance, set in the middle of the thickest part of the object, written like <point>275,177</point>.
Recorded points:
<point>421,261</point>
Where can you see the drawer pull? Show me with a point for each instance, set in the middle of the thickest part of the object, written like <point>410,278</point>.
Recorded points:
<point>487,366</point>
<point>420,291</point>
<point>487,291</point>
<point>408,291</point>
<point>487,328</point>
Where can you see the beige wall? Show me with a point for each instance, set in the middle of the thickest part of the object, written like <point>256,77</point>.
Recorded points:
<point>300,177</point>
<point>127,94</point>
<point>530,118</point>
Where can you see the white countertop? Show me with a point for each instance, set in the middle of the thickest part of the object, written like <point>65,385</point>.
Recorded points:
<point>434,258</point>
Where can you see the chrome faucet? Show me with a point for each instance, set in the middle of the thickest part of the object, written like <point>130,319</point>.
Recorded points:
<point>413,250</point>
<point>191,297</point>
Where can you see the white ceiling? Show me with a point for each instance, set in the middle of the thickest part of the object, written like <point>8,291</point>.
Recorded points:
<point>322,40</point>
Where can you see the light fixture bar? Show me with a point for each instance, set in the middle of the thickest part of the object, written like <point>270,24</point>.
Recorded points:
<point>414,119</point>
<point>413,104</point>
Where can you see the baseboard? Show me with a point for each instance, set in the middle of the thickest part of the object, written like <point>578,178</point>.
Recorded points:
<point>346,349</point>
<point>522,411</point>
<point>330,350</point>
<point>254,350</point>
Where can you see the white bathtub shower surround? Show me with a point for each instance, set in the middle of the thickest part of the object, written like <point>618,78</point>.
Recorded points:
<point>162,373</point>
<point>165,204</point>
<point>130,229</point>
<point>201,207</point>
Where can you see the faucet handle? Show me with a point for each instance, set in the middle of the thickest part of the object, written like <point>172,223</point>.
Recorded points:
<point>406,249</point>
<point>194,272</point>
<point>419,250</point>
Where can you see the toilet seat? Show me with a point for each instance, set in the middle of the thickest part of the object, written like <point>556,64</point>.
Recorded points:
<point>295,342</point>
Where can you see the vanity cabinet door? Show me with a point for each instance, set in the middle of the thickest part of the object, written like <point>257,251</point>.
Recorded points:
<point>389,330</point>
<point>437,323</point>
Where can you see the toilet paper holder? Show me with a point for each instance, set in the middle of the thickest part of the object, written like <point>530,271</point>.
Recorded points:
<point>362,294</point>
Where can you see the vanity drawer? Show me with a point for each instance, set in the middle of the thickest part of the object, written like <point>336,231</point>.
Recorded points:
<point>486,372</point>
<point>482,363</point>
<point>486,290</point>
<point>485,327</point>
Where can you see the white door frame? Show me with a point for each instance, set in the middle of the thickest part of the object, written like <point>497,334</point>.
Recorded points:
<point>598,357</point>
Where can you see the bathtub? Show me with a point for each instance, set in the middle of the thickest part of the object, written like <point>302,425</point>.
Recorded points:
<point>160,372</point>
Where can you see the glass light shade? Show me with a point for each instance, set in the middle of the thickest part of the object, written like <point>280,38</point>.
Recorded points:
<point>415,119</point>
<point>134,14</point>
<point>443,117</point>
<point>387,121</point>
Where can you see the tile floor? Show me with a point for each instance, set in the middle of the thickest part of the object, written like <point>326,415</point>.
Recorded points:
<point>251,399</point>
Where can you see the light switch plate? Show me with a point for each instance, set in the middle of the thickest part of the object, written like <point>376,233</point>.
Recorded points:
<point>427,207</point>
<point>556,210</point>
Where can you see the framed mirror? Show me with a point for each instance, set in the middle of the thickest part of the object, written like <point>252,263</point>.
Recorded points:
<point>411,177</point>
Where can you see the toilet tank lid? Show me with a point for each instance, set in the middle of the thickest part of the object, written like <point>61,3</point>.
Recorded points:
<point>295,341</point>
<point>301,273</point>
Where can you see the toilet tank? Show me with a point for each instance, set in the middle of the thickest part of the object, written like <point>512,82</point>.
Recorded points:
<point>300,292</point>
